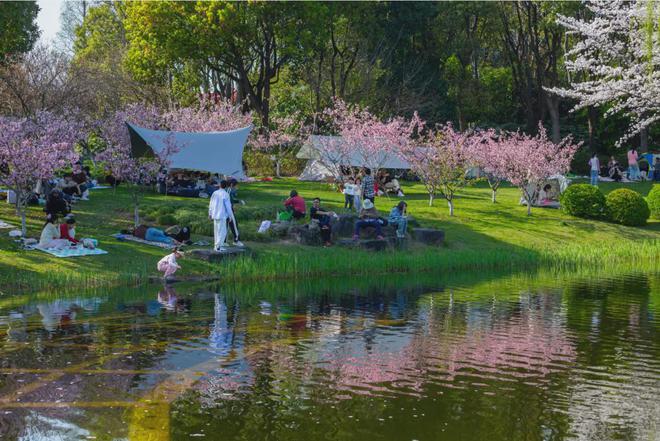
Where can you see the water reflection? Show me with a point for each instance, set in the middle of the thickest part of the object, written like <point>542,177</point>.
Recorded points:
<point>515,358</point>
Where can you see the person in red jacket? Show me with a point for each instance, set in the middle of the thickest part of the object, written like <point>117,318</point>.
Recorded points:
<point>296,205</point>
<point>68,230</point>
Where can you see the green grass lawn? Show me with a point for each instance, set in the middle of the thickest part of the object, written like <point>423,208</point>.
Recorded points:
<point>480,235</point>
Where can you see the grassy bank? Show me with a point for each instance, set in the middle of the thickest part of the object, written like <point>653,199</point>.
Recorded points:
<point>481,235</point>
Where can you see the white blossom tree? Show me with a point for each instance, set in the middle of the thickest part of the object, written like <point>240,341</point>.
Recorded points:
<point>616,60</point>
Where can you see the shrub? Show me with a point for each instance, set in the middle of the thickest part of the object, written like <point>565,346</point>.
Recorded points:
<point>583,200</point>
<point>627,207</point>
<point>653,200</point>
<point>166,219</point>
<point>166,209</point>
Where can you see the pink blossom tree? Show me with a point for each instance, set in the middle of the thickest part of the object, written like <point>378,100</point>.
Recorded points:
<point>32,149</point>
<point>280,140</point>
<point>529,160</point>
<point>117,157</point>
<point>486,152</point>
<point>365,137</point>
<point>616,61</point>
<point>441,162</point>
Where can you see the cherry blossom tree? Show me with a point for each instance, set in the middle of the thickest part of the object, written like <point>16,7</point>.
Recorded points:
<point>117,156</point>
<point>365,137</point>
<point>280,141</point>
<point>527,161</point>
<point>616,62</point>
<point>32,149</point>
<point>485,151</point>
<point>441,162</point>
<point>211,114</point>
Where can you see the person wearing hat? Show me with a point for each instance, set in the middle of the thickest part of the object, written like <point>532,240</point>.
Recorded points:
<point>368,218</point>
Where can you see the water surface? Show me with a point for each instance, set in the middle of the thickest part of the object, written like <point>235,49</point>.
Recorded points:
<point>546,357</point>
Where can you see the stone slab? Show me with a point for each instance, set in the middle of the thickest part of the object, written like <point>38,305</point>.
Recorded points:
<point>428,236</point>
<point>210,255</point>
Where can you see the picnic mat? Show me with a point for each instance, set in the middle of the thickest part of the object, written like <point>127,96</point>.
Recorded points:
<point>99,187</point>
<point>132,238</point>
<point>71,252</point>
<point>4,225</point>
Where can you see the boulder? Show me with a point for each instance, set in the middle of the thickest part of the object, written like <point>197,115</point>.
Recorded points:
<point>305,234</point>
<point>211,255</point>
<point>280,228</point>
<point>343,226</point>
<point>428,236</point>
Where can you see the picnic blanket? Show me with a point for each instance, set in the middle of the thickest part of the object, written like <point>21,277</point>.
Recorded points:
<point>132,238</point>
<point>99,187</point>
<point>5,225</point>
<point>70,252</point>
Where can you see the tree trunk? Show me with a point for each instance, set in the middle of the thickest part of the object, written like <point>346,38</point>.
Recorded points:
<point>494,195</point>
<point>451,207</point>
<point>644,140</point>
<point>592,119</point>
<point>277,168</point>
<point>529,208</point>
<point>136,210</point>
<point>431,197</point>
<point>23,222</point>
<point>553,108</point>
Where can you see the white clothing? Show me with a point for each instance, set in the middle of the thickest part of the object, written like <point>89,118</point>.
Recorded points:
<point>595,164</point>
<point>220,205</point>
<point>170,259</point>
<point>219,233</point>
<point>349,189</point>
<point>48,235</point>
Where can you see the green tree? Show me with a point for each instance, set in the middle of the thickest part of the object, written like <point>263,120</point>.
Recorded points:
<point>19,30</point>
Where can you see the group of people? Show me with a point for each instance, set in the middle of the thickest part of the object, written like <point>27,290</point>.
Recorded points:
<point>188,183</point>
<point>368,216</point>
<point>56,235</point>
<point>639,168</point>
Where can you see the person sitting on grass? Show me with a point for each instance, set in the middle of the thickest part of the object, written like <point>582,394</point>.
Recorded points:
<point>295,205</point>
<point>323,217</point>
<point>56,204</point>
<point>68,230</point>
<point>50,235</point>
<point>399,217</point>
<point>368,218</point>
<point>614,170</point>
<point>168,264</point>
<point>546,198</point>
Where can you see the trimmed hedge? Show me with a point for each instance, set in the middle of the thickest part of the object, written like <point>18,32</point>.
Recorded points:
<point>584,200</point>
<point>627,207</point>
<point>653,200</point>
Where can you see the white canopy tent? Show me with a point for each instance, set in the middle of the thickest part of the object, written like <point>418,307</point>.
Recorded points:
<point>215,152</point>
<point>318,150</point>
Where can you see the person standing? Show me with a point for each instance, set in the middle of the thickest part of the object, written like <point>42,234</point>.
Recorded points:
<point>232,225</point>
<point>595,169</point>
<point>633,167</point>
<point>349,193</point>
<point>219,212</point>
<point>357,196</point>
<point>368,186</point>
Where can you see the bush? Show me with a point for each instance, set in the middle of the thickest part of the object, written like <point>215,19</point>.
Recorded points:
<point>653,200</point>
<point>583,200</point>
<point>627,207</point>
<point>166,219</point>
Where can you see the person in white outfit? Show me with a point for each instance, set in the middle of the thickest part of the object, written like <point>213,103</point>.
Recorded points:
<point>220,211</point>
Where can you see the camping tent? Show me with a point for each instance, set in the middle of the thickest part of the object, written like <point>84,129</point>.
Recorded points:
<point>558,184</point>
<point>319,152</point>
<point>215,152</point>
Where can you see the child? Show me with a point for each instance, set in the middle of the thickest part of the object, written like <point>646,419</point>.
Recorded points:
<point>168,264</point>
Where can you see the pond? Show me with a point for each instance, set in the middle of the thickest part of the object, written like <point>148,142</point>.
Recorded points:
<point>469,357</point>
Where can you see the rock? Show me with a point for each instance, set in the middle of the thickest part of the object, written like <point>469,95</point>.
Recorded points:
<point>344,225</point>
<point>369,244</point>
<point>280,228</point>
<point>159,279</point>
<point>305,234</point>
<point>210,255</point>
<point>428,236</point>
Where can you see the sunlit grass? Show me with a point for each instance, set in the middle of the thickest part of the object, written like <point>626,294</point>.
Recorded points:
<point>482,235</point>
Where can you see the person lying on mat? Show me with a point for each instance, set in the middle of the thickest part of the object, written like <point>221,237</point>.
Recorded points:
<point>151,234</point>
<point>68,230</point>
